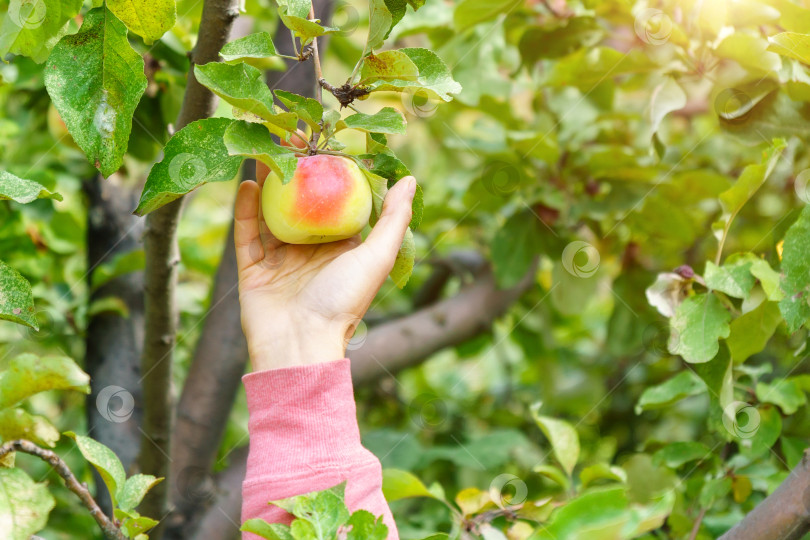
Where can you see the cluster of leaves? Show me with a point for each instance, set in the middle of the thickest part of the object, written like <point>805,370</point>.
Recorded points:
<point>320,515</point>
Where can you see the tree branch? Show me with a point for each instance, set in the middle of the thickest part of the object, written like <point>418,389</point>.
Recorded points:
<point>81,491</point>
<point>113,342</point>
<point>404,342</point>
<point>784,514</point>
<point>162,258</point>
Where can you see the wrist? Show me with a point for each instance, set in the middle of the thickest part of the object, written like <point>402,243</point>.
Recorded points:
<point>294,345</point>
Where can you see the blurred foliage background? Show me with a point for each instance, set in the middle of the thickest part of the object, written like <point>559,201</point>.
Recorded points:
<point>609,126</point>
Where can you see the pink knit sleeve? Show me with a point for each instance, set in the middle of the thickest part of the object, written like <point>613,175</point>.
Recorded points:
<point>303,438</point>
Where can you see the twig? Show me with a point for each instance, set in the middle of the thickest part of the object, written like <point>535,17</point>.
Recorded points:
<point>81,491</point>
<point>317,60</point>
<point>696,526</point>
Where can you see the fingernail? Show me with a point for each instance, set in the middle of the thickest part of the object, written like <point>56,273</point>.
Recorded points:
<point>411,186</point>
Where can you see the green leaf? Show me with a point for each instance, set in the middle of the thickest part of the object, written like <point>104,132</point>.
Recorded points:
<point>256,50</point>
<point>134,525</point>
<point>319,514</point>
<point>676,454</point>
<point>295,16</point>
<point>388,120</point>
<point>749,51</point>
<point>792,45</point>
<point>150,19</point>
<point>24,505</point>
<point>379,25</point>
<point>194,156</point>
<point>16,423</point>
<point>434,80</point>
<point>759,433</point>
<point>553,473</point>
<point>403,265</point>
<point>562,436</point>
<point>666,98</point>
<point>796,272</point>
<point>16,298</point>
<point>379,189</point>
<point>699,322</point>
<point>241,85</point>
<point>134,490</point>
<point>684,384</point>
<point>750,332</point>
<point>734,279</point>
<point>786,394</point>
<point>310,110</point>
<point>751,179</point>
<point>105,461</point>
<point>399,484</point>
<point>33,28</point>
<point>254,141</point>
<point>365,526</point>
<point>388,65</point>
<point>601,471</point>
<point>515,246</point>
<point>23,191</point>
<point>28,374</point>
<point>468,13</point>
<point>271,531</point>
<point>96,80</point>
<point>585,516</point>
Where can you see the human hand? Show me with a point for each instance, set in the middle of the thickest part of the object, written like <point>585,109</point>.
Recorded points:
<point>301,303</point>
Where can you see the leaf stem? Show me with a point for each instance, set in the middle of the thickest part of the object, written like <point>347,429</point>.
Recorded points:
<point>295,46</point>
<point>27,447</point>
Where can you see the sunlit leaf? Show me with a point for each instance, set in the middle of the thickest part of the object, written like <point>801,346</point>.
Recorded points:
<point>24,505</point>
<point>29,374</point>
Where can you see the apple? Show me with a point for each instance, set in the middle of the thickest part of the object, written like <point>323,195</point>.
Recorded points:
<point>328,199</point>
<point>58,129</point>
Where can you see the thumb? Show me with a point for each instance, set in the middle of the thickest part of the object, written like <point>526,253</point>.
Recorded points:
<point>383,242</point>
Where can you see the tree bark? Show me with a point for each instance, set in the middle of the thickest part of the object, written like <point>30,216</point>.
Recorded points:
<point>114,342</point>
<point>162,258</point>
<point>221,353</point>
<point>406,341</point>
<point>784,514</point>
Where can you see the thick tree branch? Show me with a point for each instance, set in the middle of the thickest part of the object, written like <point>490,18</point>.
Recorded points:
<point>784,514</point>
<point>110,530</point>
<point>114,341</point>
<point>404,342</point>
<point>162,258</point>
<point>223,524</point>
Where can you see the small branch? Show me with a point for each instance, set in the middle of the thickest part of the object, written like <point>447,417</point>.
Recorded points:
<point>784,514</point>
<point>696,526</point>
<point>317,61</point>
<point>81,491</point>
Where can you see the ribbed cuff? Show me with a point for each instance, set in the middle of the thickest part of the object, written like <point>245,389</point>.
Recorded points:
<point>302,419</point>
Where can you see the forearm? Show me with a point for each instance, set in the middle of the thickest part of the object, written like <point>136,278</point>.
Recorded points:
<point>304,437</point>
